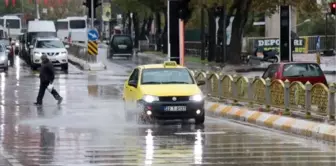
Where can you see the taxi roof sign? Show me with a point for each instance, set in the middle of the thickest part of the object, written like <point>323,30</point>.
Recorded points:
<point>170,64</point>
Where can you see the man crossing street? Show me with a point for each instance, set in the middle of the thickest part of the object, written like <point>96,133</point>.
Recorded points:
<point>47,76</point>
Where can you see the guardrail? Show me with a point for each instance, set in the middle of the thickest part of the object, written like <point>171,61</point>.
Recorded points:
<point>80,51</point>
<point>316,100</point>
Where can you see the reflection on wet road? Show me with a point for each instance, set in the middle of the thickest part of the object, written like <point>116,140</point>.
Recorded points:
<point>89,128</point>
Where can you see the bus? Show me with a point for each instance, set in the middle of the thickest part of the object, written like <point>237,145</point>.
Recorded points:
<point>12,25</point>
<point>73,27</point>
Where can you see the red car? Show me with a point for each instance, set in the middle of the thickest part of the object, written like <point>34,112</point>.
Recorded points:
<point>296,71</point>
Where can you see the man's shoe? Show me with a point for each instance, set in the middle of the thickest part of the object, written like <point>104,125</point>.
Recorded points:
<point>59,101</point>
<point>37,103</point>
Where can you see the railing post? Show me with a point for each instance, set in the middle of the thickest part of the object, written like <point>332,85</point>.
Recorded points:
<point>331,102</point>
<point>268,94</point>
<point>286,97</point>
<point>234,89</point>
<point>308,88</point>
<point>250,91</point>
<point>220,88</point>
<point>208,84</point>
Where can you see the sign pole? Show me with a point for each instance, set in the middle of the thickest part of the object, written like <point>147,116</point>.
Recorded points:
<point>168,30</point>
<point>92,14</point>
<point>181,33</point>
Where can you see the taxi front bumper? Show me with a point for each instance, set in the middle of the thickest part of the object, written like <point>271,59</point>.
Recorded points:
<point>159,110</point>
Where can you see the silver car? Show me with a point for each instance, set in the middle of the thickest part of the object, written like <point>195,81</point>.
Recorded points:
<point>3,57</point>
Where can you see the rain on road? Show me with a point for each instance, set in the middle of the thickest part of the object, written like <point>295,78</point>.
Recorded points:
<point>89,129</point>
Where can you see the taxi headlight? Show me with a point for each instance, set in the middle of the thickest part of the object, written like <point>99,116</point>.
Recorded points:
<point>150,98</point>
<point>198,97</point>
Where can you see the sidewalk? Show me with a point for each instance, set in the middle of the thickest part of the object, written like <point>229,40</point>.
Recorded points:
<point>328,64</point>
<point>306,128</point>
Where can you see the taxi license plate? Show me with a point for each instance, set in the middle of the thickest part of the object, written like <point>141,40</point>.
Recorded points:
<point>175,108</point>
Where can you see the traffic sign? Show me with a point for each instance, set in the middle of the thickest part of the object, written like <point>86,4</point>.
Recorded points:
<point>93,48</point>
<point>93,35</point>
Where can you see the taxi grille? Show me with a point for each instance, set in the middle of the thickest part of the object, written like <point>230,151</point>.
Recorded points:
<point>178,98</point>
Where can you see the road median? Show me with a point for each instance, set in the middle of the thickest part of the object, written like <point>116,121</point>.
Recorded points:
<point>305,128</point>
<point>85,65</point>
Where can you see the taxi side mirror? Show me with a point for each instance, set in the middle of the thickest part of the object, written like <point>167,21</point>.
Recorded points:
<point>133,83</point>
<point>201,82</point>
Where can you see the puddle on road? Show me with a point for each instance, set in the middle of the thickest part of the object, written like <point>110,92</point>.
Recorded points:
<point>107,118</point>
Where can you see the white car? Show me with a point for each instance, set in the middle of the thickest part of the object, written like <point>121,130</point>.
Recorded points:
<point>53,48</point>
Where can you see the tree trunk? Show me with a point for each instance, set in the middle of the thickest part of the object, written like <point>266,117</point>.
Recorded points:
<point>212,34</point>
<point>143,29</point>
<point>149,25</point>
<point>238,25</point>
<point>124,17</point>
<point>136,30</point>
<point>158,30</point>
<point>129,28</point>
<point>165,35</point>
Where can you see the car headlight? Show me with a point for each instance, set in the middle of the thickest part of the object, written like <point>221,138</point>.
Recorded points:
<point>17,44</point>
<point>150,98</point>
<point>2,58</point>
<point>198,97</point>
<point>64,53</point>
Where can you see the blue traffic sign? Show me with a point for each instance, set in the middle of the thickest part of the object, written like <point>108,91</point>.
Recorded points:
<point>93,35</point>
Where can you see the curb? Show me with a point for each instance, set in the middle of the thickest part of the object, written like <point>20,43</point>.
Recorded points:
<point>86,66</point>
<point>300,127</point>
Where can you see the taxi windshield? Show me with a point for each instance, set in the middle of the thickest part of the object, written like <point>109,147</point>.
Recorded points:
<point>166,76</point>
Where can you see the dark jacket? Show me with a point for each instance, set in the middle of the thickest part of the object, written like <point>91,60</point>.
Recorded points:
<point>47,72</point>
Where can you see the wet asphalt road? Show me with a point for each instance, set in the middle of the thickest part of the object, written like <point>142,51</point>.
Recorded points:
<point>89,128</point>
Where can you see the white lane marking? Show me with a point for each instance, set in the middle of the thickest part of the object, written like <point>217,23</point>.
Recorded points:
<point>195,133</point>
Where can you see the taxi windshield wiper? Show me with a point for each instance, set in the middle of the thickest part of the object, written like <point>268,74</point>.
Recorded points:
<point>177,82</point>
<point>151,82</point>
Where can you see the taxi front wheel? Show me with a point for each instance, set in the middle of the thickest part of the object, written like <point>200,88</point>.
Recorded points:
<point>199,120</point>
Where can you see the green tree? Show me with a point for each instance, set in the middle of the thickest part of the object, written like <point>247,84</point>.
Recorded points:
<point>241,11</point>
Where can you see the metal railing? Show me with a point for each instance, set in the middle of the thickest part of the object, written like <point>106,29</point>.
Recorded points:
<point>316,100</point>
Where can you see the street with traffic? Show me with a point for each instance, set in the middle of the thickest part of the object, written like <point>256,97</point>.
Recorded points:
<point>90,127</point>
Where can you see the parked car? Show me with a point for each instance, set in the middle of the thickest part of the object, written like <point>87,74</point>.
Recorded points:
<point>121,46</point>
<point>3,57</point>
<point>296,71</point>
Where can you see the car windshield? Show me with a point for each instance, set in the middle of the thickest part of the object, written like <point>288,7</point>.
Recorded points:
<point>302,70</point>
<point>32,35</point>
<point>122,40</point>
<point>12,23</point>
<point>61,25</point>
<point>166,76</point>
<point>77,24</point>
<point>49,44</point>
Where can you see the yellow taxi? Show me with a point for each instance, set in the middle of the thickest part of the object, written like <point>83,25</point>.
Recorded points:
<point>165,92</point>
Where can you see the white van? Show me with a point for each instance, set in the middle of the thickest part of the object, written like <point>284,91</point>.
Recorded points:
<point>38,28</point>
<point>12,24</point>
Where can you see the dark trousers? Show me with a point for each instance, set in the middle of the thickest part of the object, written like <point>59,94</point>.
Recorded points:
<point>43,87</point>
<point>11,60</point>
